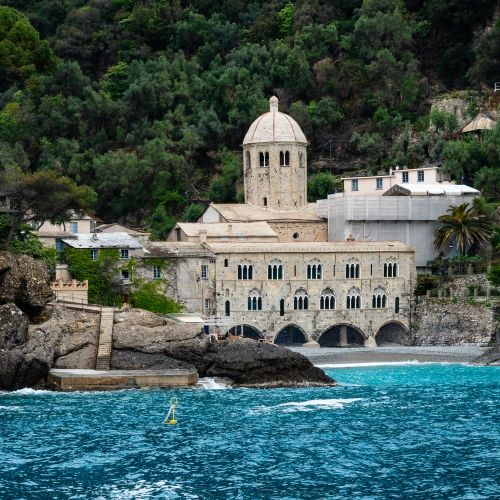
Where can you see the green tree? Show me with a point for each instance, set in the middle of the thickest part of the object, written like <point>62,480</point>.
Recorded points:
<point>320,185</point>
<point>40,196</point>
<point>224,187</point>
<point>22,53</point>
<point>462,226</point>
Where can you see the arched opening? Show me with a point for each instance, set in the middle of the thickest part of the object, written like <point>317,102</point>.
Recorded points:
<point>227,308</point>
<point>392,333</point>
<point>245,331</point>
<point>261,159</point>
<point>342,336</point>
<point>290,335</point>
<point>287,158</point>
<point>248,159</point>
<point>282,158</point>
<point>282,307</point>
<point>264,201</point>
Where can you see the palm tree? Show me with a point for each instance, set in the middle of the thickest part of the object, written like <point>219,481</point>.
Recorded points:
<point>464,225</point>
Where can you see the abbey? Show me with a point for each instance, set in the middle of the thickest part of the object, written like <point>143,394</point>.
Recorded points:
<point>265,268</point>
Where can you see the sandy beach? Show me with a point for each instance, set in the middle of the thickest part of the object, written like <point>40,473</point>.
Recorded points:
<point>395,354</point>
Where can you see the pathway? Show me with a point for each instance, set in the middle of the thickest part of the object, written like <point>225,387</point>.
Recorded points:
<point>105,339</point>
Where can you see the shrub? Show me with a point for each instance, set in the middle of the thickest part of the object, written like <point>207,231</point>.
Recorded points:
<point>149,297</point>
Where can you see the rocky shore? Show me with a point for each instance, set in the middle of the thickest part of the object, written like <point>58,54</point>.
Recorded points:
<point>35,337</point>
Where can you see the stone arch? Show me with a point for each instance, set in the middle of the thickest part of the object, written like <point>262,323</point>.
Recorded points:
<point>334,336</point>
<point>393,332</point>
<point>245,331</point>
<point>291,335</point>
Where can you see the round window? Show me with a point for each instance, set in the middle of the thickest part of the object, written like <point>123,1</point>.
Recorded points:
<point>295,236</point>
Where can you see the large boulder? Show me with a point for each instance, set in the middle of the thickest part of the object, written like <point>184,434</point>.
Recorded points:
<point>24,281</point>
<point>252,363</point>
<point>159,341</point>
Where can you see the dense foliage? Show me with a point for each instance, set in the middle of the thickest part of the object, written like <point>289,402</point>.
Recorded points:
<point>147,102</point>
<point>101,274</point>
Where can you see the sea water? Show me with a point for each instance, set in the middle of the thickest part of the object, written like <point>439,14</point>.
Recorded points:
<point>417,431</point>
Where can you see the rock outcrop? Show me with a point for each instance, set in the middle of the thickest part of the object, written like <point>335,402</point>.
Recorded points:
<point>27,352</point>
<point>143,340</point>
<point>24,281</point>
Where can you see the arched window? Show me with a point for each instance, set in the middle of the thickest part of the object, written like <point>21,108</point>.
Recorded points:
<point>275,270</point>
<point>300,300</point>
<point>282,158</point>
<point>264,201</point>
<point>354,299</point>
<point>247,156</point>
<point>282,307</point>
<point>287,158</point>
<point>227,308</point>
<point>301,160</point>
<point>245,271</point>
<point>266,159</point>
<point>261,159</point>
<point>379,298</point>
<point>396,305</point>
<point>390,270</point>
<point>254,301</point>
<point>327,299</point>
<point>314,270</point>
<point>352,270</point>
<point>226,262</point>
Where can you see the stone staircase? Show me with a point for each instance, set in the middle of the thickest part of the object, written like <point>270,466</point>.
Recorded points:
<point>105,339</point>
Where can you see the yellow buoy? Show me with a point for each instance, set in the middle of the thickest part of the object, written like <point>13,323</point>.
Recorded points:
<point>170,418</point>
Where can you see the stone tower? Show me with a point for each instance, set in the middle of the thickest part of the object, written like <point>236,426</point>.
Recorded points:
<point>275,161</point>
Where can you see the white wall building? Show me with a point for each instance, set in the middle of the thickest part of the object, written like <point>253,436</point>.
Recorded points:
<point>402,206</point>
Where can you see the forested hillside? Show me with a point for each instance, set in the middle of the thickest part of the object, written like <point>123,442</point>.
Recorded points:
<point>147,101</point>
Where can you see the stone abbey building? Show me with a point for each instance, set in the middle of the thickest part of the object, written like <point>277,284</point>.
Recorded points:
<point>265,268</point>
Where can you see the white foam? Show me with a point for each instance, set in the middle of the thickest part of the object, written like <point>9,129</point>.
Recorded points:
<point>27,391</point>
<point>310,405</point>
<point>374,363</point>
<point>10,408</point>
<point>211,384</point>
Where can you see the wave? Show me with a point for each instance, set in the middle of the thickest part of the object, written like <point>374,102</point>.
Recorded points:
<point>211,383</point>
<point>10,408</point>
<point>27,391</point>
<point>390,363</point>
<point>310,405</point>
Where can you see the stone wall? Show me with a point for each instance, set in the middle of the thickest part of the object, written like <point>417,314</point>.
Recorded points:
<point>301,231</point>
<point>452,322</point>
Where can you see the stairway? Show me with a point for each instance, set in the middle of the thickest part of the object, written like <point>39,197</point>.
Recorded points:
<point>105,339</point>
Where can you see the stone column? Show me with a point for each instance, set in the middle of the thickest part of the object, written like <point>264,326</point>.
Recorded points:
<point>370,342</point>
<point>343,336</point>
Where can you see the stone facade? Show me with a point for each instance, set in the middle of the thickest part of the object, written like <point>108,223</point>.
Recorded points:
<point>452,321</point>
<point>290,231</point>
<point>185,272</point>
<point>274,315</point>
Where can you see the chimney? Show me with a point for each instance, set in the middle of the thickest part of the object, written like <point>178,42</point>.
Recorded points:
<point>203,235</point>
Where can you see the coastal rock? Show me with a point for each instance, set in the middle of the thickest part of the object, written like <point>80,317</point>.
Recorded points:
<point>132,360</point>
<point>13,326</point>
<point>252,363</point>
<point>29,364</point>
<point>67,340</point>
<point>24,281</point>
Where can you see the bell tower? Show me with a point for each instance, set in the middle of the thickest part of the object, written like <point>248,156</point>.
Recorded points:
<point>275,161</point>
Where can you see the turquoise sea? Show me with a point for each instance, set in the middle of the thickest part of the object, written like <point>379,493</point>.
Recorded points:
<point>416,431</point>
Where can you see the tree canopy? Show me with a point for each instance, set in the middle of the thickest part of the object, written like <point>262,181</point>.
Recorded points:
<point>146,103</point>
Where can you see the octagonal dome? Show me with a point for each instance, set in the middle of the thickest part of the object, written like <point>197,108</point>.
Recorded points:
<point>274,126</point>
